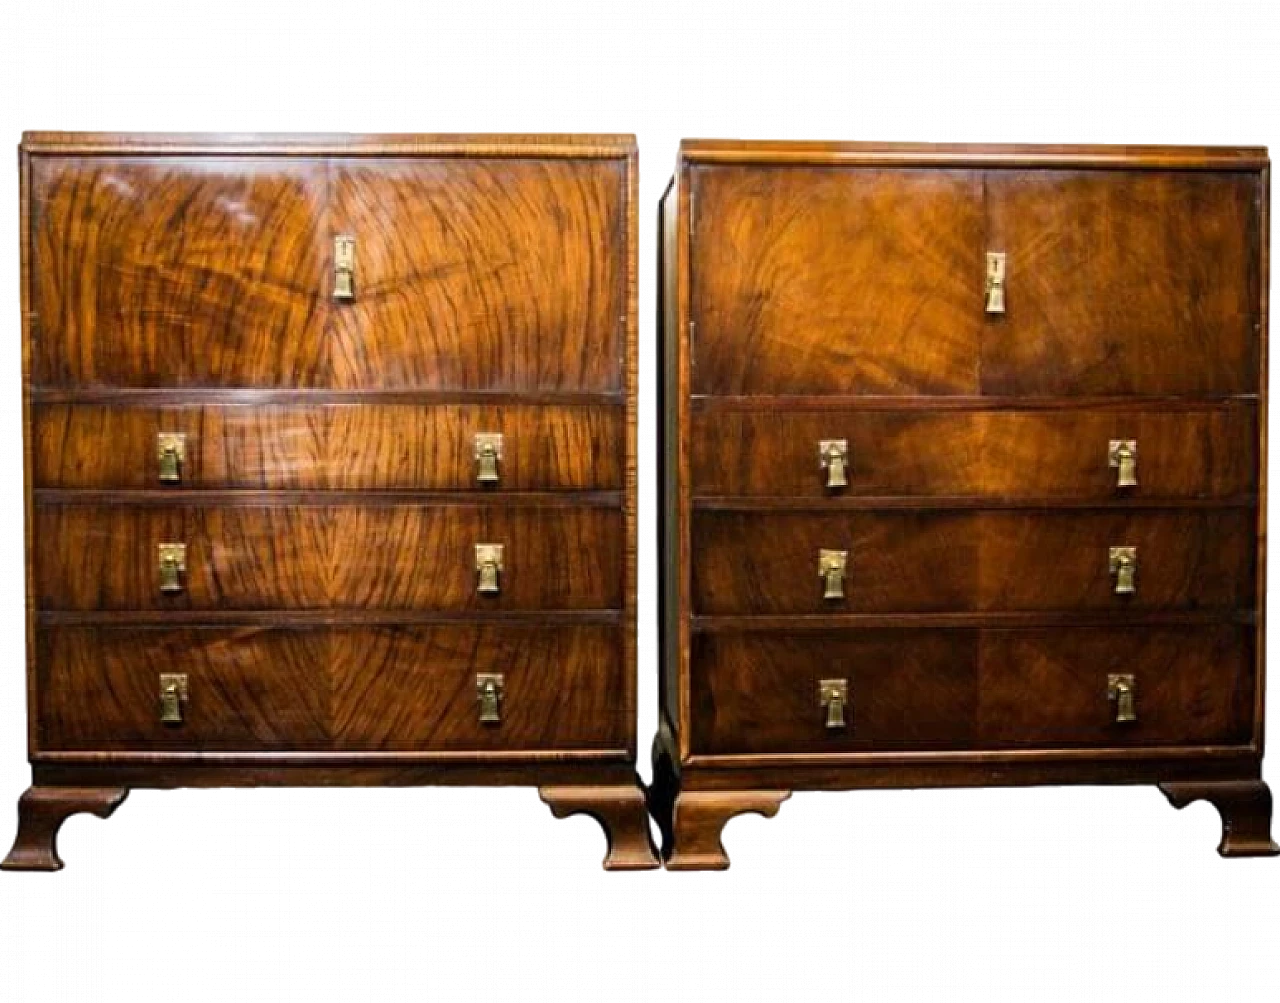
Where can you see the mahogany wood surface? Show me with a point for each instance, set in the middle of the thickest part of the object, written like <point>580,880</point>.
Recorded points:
<point>41,812</point>
<point>972,689</point>
<point>328,619</point>
<point>214,272</point>
<point>837,291</point>
<point>1124,283</point>
<point>928,561</point>
<point>818,280</point>
<point>309,556</point>
<point>1209,452</point>
<point>400,688</point>
<point>621,812</point>
<point>339,446</point>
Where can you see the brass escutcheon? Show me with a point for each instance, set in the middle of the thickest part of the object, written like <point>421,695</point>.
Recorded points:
<point>490,689</point>
<point>171,448</point>
<point>488,454</point>
<point>833,457</point>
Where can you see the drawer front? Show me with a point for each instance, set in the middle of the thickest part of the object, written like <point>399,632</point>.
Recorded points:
<point>768,563</point>
<point>1050,688</point>
<point>179,271</point>
<point>1198,453</point>
<point>1124,282</point>
<point>836,281</point>
<point>483,274</point>
<point>342,447</point>
<point>285,556</point>
<point>962,689</point>
<point>357,689</point>
<point>468,273</point>
<point>760,692</point>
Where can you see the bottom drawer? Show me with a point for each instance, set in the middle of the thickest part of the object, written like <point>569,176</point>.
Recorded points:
<point>971,689</point>
<point>398,688</point>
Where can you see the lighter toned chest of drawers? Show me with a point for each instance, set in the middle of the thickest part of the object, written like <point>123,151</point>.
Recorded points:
<point>330,468</point>
<point>962,475</point>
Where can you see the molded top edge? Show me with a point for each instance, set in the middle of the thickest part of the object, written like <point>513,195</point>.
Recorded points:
<point>335,144</point>
<point>971,154</point>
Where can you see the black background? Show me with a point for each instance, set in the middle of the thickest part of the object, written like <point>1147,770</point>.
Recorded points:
<point>456,896</point>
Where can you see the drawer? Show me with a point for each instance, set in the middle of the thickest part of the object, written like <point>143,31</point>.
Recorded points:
<point>469,273</point>
<point>306,556</point>
<point>821,280</point>
<point>768,562</point>
<point>759,691</point>
<point>1124,282</point>
<point>971,689</point>
<point>343,447</point>
<point>359,689</point>
<point>1209,452</point>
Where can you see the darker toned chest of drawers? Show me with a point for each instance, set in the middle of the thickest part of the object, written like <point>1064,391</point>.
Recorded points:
<point>962,475</point>
<point>330,468</point>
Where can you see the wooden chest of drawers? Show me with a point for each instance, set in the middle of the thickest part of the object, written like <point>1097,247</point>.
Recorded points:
<point>331,471</point>
<point>962,475</point>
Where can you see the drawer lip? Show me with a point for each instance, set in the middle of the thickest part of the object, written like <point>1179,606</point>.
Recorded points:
<point>899,757</point>
<point>326,757</point>
<point>1009,619</point>
<point>305,619</point>
<point>150,397</point>
<point>712,403</point>
<point>786,503</point>
<point>317,498</point>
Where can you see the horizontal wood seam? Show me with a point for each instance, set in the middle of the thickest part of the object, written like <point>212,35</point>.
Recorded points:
<point>768,503</point>
<point>241,497</point>
<point>990,619</point>
<point>327,617</point>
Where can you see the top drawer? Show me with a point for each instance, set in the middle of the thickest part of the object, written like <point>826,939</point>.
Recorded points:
<point>469,273</point>
<point>812,280</point>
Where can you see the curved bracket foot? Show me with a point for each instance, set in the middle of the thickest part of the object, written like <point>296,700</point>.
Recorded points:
<point>622,814</point>
<point>692,836</point>
<point>1245,807</point>
<point>41,812</point>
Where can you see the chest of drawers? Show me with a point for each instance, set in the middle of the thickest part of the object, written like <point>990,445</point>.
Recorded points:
<point>963,469</point>
<point>330,468</point>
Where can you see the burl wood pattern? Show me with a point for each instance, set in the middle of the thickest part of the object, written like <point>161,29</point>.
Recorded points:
<point>309,556</point>
<point>470,274</point>
<point>971,689</point>
<point>337,688</point>
<point>179,272</point>
<point>346,447</point>
<point>836,281</point>
<point>621,812</point>
<point>1124,282</point>
<point>482,274</point>
<point>1206,452</point>
<point>41,812</point>
<point>912,562</point>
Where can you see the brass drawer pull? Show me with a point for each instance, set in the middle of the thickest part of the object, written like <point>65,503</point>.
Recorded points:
<point>833,457</point>
<point>488,454</point>
<point>488,568</point>
<point>1123,562</point>
<point>490,689</point>
<point>344,267</point>
<point>1120,691</point>
<point>995,281</point>
<point>172,559</point>
<point>831,569</point>
<point>173,697</point>
<point>833,696</point>
<point>1122,454</point>
<point>171,448</point>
